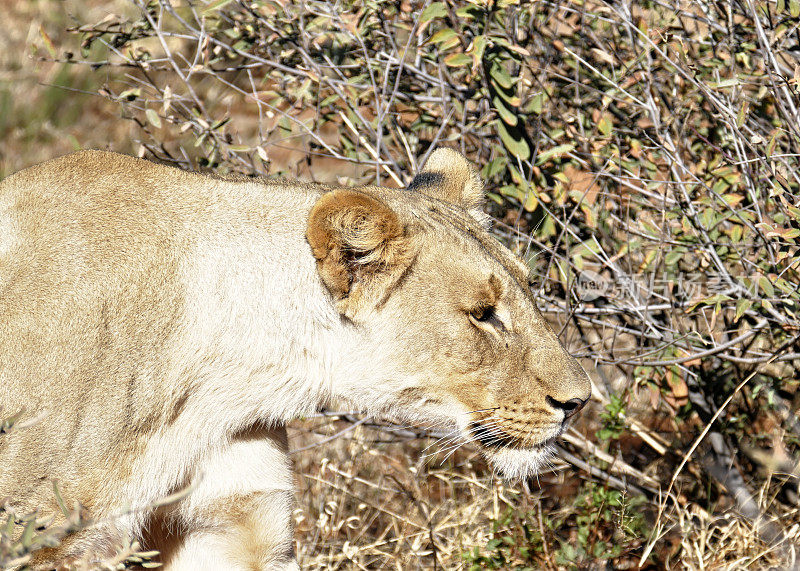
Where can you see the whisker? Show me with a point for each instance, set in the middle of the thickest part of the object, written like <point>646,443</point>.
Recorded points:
<point>452,447</point>
<point>481,410</point>
<point>445,445</point>
<point>453,451</point>
<point>446,442</point>
<point>449,435</point>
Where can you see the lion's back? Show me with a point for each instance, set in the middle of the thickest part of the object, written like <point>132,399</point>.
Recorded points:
<point>88,293</point>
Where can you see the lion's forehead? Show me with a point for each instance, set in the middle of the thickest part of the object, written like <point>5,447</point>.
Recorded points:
<point>451,224</point>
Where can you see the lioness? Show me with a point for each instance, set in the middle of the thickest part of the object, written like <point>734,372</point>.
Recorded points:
<point>166,325</point>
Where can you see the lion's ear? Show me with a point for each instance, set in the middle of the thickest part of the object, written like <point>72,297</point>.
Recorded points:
<point>449,176</point>
<point>360,246</point>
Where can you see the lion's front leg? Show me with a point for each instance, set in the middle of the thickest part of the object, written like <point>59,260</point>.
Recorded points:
<point>238,513</point>
<point>250,533</point>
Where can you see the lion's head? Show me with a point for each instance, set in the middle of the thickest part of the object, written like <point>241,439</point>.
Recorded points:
<point>445,316</point>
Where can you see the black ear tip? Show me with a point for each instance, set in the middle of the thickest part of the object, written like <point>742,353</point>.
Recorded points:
<point>426,179</point>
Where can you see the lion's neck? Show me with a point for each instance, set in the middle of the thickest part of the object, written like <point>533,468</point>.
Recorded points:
<point>260,339</point>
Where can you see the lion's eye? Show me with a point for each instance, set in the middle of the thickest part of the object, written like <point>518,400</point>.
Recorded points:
<point>482,313</point>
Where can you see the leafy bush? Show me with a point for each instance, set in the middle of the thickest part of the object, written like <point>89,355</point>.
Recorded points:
<point>604,525</point>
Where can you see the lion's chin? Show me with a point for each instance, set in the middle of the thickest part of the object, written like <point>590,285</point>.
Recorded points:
<point>519,463</point>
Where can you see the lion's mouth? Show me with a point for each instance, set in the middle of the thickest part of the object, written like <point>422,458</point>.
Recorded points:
<point>494,437</point>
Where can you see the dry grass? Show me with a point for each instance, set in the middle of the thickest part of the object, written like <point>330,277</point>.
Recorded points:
<point>366,500</point>
<point>370,499</point>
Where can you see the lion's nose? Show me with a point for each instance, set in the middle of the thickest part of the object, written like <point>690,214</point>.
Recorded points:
<point>570,407</point>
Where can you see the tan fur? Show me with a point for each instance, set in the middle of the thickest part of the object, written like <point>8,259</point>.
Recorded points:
<point>166,325</point>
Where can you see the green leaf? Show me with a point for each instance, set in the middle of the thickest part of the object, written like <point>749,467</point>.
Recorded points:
<point>718,298</point>
<point>153,117</point>
<point>514,142</point>
<point>513,191</point>
<point>514,50</point>
<point>468,12</point>
<point>505,113</point>
<point>510,96</point>
<point>500,76</point>
<point>214,6</point>
<point>328,100</point>
<point>741,306</point>
<point>233,33</point>
<point>784,286</point>
<point>442,36</point>
<point>531,201</point>
<point>495,198</point>
<point>673,256</point>
<point>535,106</point>
<point>130,94</point>
<point>742,115</point>
<point>556,151</point>
<point>766,286</point>
<point>605,125</point>
<point>435,10</point>
<point>495,166</point>
<point>457,60</point>
<point>517,177</point>
<point>794,8</point>
<point>478,48</point>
